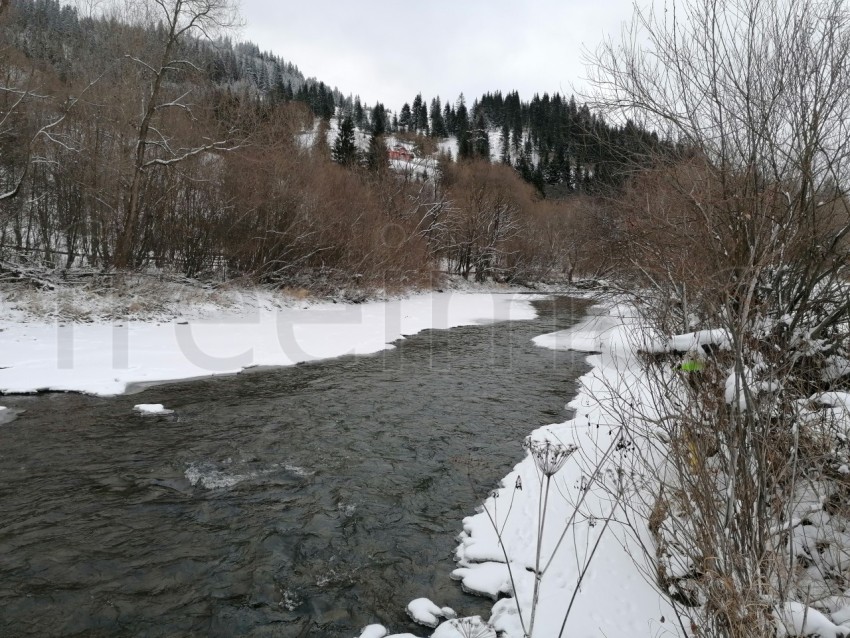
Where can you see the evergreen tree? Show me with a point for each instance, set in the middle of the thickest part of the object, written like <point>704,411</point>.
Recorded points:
<point>405,121</point>
<point>415,109</point>
<point>345,149</point>
<point>538,179</point>
<point>464,143</point>
<point>480,137</point>
<point>505,143</point>
<point>438,124</point>
<point>449,119</point>
<point>379,119</point>
<point>359,115</point>
<point>422,118</point>
<point>523,166</point>
<point>376,156</point>
<point>325,105</point>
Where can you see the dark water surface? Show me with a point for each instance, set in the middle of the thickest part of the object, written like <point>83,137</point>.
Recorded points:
<point>301,501</point>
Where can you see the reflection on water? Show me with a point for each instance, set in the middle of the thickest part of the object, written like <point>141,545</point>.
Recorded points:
<point>301,501</point>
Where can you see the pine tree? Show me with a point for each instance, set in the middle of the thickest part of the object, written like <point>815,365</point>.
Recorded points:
<point>379,119</point>
<point>538,179</point>
<point>505,142</point>
<point>438,124</point>
<point>415,109</point>
<point>480,137</point>
<point>359,115</point>
<point>523,167</point>
<point>449,119</point>
<point>376,156</point>
<point>422,118</point>
<point>464,144</point>
<point>345,149</point>
<point>405,120</point>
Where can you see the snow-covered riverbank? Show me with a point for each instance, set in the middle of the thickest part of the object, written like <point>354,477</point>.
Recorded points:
<point>617,595</point>
<point>584,528</point>
<point>105,357</point>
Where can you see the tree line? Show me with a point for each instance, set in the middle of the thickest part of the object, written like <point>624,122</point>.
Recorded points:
<point>134,141</point>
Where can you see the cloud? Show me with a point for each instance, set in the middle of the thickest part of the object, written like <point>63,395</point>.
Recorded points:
<point>391,51</point>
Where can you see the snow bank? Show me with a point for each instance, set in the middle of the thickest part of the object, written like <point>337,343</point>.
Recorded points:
<point>103,358</point>
<point>617,596</point>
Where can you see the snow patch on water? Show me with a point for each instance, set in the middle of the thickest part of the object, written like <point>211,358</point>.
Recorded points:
<point>150,409</point>
<point>425,612</point>
<point>8,415</point>
<point>374,631</point>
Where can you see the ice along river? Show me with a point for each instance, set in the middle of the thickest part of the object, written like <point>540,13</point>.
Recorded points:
<point>302,501</point>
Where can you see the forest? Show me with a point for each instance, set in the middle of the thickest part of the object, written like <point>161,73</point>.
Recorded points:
<point>134,141</point>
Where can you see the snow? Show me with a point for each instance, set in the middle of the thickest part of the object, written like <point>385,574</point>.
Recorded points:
<point>618,575</point>
<point>796,619</point>
<point>7,415</point>
<point>448,145</point>
<point>694,341</point>
<point>611,329</point>
<point>483,578</point>
<point>374,631</point>
<point>104,357</point>
<point>151,409</point>
<point>425,612</point>
<point>833,399</point>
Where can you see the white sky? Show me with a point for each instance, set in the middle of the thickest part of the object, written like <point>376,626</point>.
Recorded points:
<point>390,51</point>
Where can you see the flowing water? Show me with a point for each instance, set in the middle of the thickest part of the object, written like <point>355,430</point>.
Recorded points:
<point>302,501</point>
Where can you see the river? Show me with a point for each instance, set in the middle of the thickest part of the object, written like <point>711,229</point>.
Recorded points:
<point>302,501</point>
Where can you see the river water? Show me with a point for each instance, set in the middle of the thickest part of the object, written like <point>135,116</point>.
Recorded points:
<point>302,501</point>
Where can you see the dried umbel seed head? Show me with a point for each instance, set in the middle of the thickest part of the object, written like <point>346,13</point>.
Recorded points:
<point>472,627</point>
<point>549,457</point>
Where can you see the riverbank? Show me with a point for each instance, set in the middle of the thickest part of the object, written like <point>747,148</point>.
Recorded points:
<point>102,345</point>
<point>596,577</point>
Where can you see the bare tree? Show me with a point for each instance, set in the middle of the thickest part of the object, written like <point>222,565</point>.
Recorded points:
<point>742,224</point>
<point>181,19</point>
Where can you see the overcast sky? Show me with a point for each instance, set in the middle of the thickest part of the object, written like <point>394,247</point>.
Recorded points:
<point>390,51</point>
